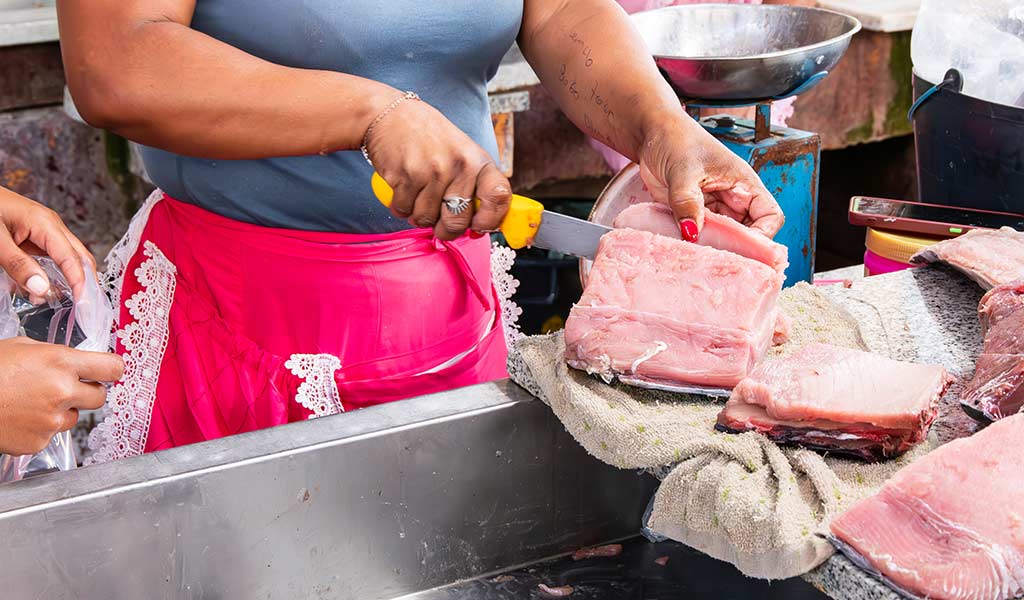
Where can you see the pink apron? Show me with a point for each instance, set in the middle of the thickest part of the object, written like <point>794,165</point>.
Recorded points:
<point>230,327</point>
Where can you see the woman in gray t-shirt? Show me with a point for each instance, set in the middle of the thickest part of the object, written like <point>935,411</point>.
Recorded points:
<point>265,284</point>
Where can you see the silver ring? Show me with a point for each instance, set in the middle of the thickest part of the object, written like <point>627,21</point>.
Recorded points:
<point>456,204</point>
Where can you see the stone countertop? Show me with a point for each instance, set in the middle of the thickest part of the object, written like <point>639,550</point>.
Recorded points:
<point>853,273</point>
<point>927,315</point>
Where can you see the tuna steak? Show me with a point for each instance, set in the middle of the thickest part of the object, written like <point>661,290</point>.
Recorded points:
<point>947,526</point>
<point>838,399</point>
<point>660,310</point>
<point>989,257</point>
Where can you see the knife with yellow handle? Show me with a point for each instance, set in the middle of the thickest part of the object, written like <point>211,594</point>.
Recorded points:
<point>528,224</point>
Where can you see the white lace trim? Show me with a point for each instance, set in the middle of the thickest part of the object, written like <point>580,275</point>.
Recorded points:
<point>319,391</point>
<point>505,284</point>
<point>502,260</point>
<point>129,408</point>
<point>121,254</point>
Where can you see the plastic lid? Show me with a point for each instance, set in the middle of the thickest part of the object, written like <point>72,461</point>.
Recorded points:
<point>896,246</point>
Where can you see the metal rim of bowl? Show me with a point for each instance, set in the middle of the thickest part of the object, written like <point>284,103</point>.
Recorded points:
<point>629,171</point>
<point>855,22</point>
<point>622,174</point>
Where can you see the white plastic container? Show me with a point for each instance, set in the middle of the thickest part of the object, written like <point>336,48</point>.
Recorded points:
<point>983,39</point>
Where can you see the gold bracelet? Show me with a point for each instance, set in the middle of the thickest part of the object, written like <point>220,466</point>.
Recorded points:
<point>381,115</point>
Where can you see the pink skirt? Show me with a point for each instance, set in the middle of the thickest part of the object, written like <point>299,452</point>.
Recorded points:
<point>229,327</point>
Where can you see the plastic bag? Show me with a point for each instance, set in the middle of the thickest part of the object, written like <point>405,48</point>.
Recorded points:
<point>83,323</point>
<point>983,39</point>
<point>652,536</point>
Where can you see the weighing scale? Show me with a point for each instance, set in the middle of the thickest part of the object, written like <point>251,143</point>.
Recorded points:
<point>730,56</point>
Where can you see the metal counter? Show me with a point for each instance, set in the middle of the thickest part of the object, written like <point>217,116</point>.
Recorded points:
<point>377,503</point>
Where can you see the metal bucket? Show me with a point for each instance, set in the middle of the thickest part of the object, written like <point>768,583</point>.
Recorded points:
<point>970,152</point>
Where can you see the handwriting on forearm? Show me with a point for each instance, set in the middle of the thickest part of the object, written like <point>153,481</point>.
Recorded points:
<point>569,83</point>
<point>583,47</point>
<point>597,107</point>
<point>602,103</point>
<point>593,98</point>
<point>594,132</point>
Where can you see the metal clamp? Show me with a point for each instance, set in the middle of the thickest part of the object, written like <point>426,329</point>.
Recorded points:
<point>953,80</point>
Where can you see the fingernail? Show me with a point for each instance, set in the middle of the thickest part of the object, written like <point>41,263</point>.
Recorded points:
<point>475,235</point>
<point>688,227</point>
<point>37,285</point>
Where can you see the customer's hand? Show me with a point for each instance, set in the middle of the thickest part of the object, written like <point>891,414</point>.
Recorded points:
<point>30,228</point>
<point>425,158</point>
<point>688,169</point>
<point>42,388</point>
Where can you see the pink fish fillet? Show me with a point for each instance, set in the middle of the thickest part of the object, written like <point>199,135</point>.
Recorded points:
<point>988,256</point>
<point>719,232</point>
<point>663,310</point>
<point>1000,302</point>
<point>997,388</point>
<point>838,399</point>
<point>950,526</point>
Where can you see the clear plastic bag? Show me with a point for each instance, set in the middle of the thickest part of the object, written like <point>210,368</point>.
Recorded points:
<point>983,39</point>
<point>652,536</point>
<point>83,323</point>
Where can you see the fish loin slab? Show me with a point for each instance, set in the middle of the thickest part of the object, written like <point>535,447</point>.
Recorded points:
<point>951,525</point>
<point>662,310</point>
<point>1000,302</point>
<point>719,232</point>
<point>997,388</point>
<point>838,399</point>
<point>990,257</point>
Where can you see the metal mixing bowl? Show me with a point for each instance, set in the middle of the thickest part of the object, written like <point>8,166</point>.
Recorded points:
<point>623,191</point>
<point>741,53</point>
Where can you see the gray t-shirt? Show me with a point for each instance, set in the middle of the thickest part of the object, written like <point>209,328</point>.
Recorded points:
<point>444,51</point>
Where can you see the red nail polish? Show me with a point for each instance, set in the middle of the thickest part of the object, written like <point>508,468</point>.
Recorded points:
<point>688,227</point>
<point>475,235</point>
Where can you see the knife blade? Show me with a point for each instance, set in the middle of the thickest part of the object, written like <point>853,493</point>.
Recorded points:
<point>568,235</point>
<point>527,224</point>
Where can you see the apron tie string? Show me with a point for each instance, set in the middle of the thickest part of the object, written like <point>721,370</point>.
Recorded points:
<point>467,272</point>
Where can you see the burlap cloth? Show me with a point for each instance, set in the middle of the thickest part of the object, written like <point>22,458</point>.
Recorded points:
<point>739,498</point>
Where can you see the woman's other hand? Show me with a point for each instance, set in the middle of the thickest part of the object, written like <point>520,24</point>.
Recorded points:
<point>42,388</point>
<point>425,158</point>
<point>688,169</point>
<point>30,228</point>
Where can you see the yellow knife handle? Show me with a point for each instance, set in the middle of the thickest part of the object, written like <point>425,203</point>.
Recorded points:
<point>520,224</point>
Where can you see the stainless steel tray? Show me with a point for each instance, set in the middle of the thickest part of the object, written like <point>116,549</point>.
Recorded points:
<point>379,503</point>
